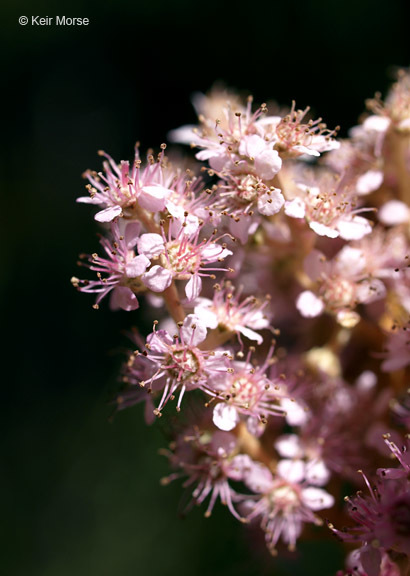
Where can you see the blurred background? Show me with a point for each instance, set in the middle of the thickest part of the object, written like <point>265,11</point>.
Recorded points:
<point>80,491</point>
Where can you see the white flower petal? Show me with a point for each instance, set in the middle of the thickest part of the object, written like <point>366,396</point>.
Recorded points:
<point>309,305</point>
<point>354,228</point>
<point>295,208</point>
<point>269,204</point>
<point>267,164</point>
<point>152,245</point>
<point>292,470</point>
<point>108,214</point>
<point>393,213</point>
<point>193,287</point>
<point>225,417</point>
<point>137,266</point>
<point>193,330</point>
<point>289,446</point>
<point>152,198</point>
<point>157,279</point>
<point>369,181</point>
<point>317,499</point>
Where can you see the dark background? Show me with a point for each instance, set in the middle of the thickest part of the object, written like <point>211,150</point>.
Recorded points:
<point>80,494</point>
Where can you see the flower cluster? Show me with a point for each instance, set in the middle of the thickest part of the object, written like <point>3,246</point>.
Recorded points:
<point>277,270</point>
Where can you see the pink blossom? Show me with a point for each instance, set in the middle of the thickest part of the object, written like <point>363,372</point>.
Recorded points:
<point>286,502</point>
<point>329,212</point>
<point>182,257</point>
<point>246,390</point>
<point>382,521</point>
<point>296,137</point>
<point>339,285</point>
<point>209,460</point>
<point>120,272</point>
<point>177,363</point>
<point>122,186</point>
<point>229,313</point>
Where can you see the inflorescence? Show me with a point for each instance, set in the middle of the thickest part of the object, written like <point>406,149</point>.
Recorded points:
<point>277,270</point>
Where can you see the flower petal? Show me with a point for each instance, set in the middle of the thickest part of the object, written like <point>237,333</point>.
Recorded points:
<point>225,417</point>
<point>157,279</point>
<point>108,214</point>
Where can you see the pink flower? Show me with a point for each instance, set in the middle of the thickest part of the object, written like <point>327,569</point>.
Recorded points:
<point>120,272</point>
<point>227,312</point>
<point>122,186</point>
<point>355,567</point>
<point>239,195</point>
<point>340,284</point>
<point>295,137</point>
<point>382,521</point>
<point>287,501</point>
<point>329,211</point>
<point>177,363</point>
<point>246,390</point>
<point>209,460</point>
<point>182,257</point>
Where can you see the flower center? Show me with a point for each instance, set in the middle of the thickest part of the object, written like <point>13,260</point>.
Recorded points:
<point>182,258</point>
<point>338,293</point>
<point>285,497</point>
<point>248,189</point>
<point>183,364</point>
<point>245,392</point>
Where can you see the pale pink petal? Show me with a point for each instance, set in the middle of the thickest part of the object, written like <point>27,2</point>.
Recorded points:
<point>137,266</point>
<point>267,164</point>
<point>205,314</point>
<point>292,470</point>
<point>193,287</point>
<point>309,305</point>
<point>296,415</point>
<point>239,467</point>
<point>248,333</point>
<point>350,261</point>
<point>295,208</point>
<point>305,150</point>
<point>289,446</point>
<point>259,479</point>
<point>269,204</point>
<point>152,198</point>
<point>317,499</point>
<point>323,144</point>
<point>370,290</point>
<point>214,251</point>
<point>152,245</point>
<point>252,145</point>
<point>123,297</point>
<point>366,381</point>
<point>89,200</point>
<point>354,228</point>
<point>394,212</point>
<point>369,181</point>
<point>131,234</point>
<point>193,330</point>
<point>323,230</point>
<point>159,341</point>
<point>108,214</point>
<point>317,473</point>
<point>157,279</point>
<point>184,135</point>
<point>225,417</point>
